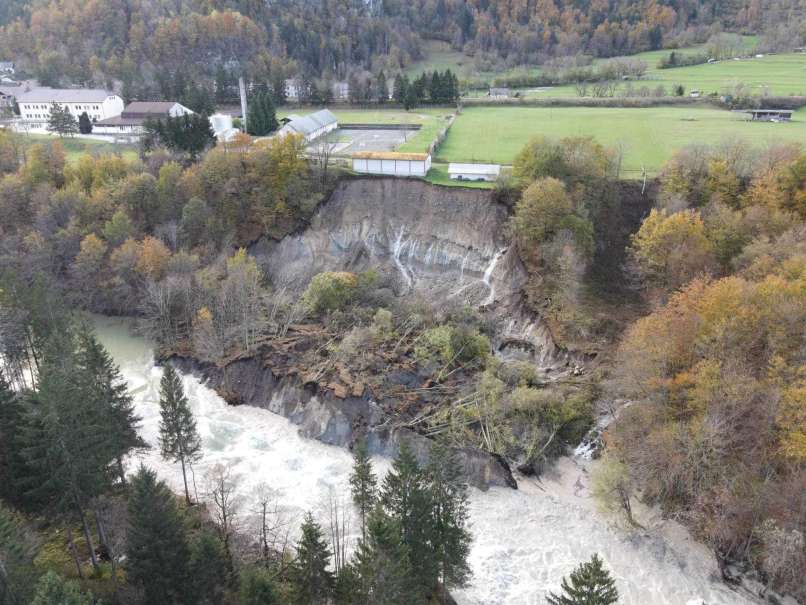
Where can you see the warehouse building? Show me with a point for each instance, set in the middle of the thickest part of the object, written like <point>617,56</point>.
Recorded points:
<point>391,163</point>
<point>312,126</point>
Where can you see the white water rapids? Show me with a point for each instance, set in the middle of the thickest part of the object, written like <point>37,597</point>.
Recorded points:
<point>524,540</point>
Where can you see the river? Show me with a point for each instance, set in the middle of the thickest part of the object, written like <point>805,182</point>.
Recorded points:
<point>524,540</point>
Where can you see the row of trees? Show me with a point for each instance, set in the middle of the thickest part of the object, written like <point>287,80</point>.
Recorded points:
<point>434,87</point>
<point>62,122</point>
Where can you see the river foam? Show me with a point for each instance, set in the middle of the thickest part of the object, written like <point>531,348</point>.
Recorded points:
<point>524,540</point>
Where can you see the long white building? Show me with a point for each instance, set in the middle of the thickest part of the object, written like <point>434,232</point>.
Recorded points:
<point>391,163</point>
<point>35,104</point>
<point>311,126</point>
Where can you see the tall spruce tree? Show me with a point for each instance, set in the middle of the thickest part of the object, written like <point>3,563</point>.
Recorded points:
<point>17,551</point>
<point>451,537</point>
<point>588,584</point>
<point>262,118</point>
<point>381,562</point>
<point>400,89</point>
<point>363,484</point>
<point>61,436</point>
<point>311,579</point>
<point>12,464</point>
<point>209,568</point>
<point>157,549</point>
<point>179,440</point>
<point>406,499</point>
<point>102,378</point>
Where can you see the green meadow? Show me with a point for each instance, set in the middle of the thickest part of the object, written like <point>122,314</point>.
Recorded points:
<point>647,136</point>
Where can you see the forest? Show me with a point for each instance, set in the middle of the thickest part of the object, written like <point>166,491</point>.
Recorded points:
<point>195,48</point>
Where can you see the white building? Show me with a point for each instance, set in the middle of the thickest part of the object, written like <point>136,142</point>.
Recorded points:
<point>7,67</point>
<point>312,126</point>
<point>391,163</point>
<point>35,104</point>
<point>131,120</point>
<point>474,172</point>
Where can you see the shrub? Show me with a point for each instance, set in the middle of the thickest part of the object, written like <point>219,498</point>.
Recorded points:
<point>330,291</point>
<point>450,345</point>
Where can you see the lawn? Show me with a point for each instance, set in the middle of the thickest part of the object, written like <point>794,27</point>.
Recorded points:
<point>648,136</point>
<point>783,74</point>
<point>75,147</point>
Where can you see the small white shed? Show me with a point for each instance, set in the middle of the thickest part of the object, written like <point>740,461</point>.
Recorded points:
<point>474,172</point>
<point>391,163</point>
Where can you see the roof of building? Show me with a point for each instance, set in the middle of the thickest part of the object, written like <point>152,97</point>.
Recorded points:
<point>65,95</point>
<point>474,168</point>
<point>138,108</point>
<point>121,121</point>
<point>389,155</point>
<point>499,91</point>
<point>311,123</point>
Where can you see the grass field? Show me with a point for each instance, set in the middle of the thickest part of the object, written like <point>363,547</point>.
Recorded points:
<point>772,74</point>
<point>76,147</point>
<point>783,74</point>
<point>649,136</point>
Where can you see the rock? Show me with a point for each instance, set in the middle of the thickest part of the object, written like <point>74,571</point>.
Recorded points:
<point>339,390</point>
<point>327,416</point>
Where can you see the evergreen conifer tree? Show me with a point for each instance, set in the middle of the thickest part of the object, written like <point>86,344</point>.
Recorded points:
<point>363,484</point>
<point>310,576</point>
<point>179,440</point>
<point>400,89</point>
<point>101,376</point>
<point>589,584</point>
<point>17,550</point>
<point>257,587</point>
<point>12,464</point>
<point>381,562</point>
<point>262,118</point>
<point>383,88</point>
<point>209,569</point>
<point>61,121</point>
<point>406,499</point>
<point>157,550</point>
<point>61,436</point>
<point>451,537</point>
<point>435,87</point>
<point>84,124</point>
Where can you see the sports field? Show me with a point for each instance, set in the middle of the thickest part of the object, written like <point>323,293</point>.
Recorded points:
<point>648,136</point>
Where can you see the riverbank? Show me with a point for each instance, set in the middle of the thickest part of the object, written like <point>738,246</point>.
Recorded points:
<point>524,540</point>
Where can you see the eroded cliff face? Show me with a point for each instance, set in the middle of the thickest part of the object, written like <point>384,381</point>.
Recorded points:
<point>446,245</point>
<point>332,420</point>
